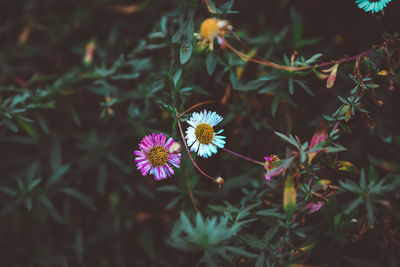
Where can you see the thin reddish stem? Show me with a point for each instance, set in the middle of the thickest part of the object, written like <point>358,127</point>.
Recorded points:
<point>190,190</point>
<point>288,68</point>
<point>243,157</point>
<point>195,106</point>
<point>188,151</point>
<point>264,62</point>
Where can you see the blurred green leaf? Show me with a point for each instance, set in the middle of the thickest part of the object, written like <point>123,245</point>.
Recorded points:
<point>289,196</point>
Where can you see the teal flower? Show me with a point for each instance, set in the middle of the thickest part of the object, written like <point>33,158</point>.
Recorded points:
<point>372,5</point>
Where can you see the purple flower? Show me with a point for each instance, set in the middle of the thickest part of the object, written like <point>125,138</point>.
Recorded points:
<point>314,207</point>
<point>268,165</point>
<point>154,156</point>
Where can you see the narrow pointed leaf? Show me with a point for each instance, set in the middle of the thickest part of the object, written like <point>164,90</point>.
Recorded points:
<point>289,196</point>
<point>318,137</point>
<point>346,166</point>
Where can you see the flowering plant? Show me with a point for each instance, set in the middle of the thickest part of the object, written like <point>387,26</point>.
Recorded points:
<point>200,133</point>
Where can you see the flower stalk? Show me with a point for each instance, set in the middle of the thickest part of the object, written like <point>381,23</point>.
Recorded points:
<point>188,151</point>
<point>291,68</point>
<point>243,157</point>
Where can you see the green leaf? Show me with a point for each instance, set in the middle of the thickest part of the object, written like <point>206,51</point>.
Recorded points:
<point>79,249</point>
<point>185,52</point>
<point>291,86</point>
<point>7,191</point>
<point>173,202</point>
<point>253,85</point>
<point>269,213</point>
<point>260,260</point>
<point>43,124</point>
<point>46,203</point>
<point>83,199</point>
<point>290,139</point>
<point>346,166</point>
<point>353,205</point>
<point>211,63</point>
<point>129,76</point>
<point>168,188</point>
<point>11,125</point>
<point>289,196</point>
<point>274,105</point>
<point>304,86</point>
<point>334,149</point>
<point>57,175</point>
<point>233,79</point>
<point>350,186</point>
<point>370,212</point>
<point>33,184</point>
<point>177,77</point>
<point>269,88</point>
<point>271,233</point>
<point>372,174</point>
<point>253,241</point>
<point>190,30</point>
<point>239,251</point>
<point>28,203</point>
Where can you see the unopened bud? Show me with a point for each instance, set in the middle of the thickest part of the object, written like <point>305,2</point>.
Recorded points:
<point>219,181</point>
<point>175,148</point>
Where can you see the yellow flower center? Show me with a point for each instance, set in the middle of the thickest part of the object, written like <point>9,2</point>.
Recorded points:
<point>209,28</point>
<point>157,156</point>
<point>204,133</point>
<point>269,163</point>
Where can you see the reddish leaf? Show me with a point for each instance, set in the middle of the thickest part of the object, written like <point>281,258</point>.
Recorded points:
<point>89,52</point>
<point>319,136</point>
<point>332,76</point>
<point>368,121</point>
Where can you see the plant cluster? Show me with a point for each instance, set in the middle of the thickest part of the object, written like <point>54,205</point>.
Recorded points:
<point>122,125</point>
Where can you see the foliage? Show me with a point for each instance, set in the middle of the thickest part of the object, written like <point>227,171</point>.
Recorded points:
<point>81,83</point>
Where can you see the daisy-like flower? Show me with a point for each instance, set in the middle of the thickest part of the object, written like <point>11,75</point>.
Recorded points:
<point>372,5</point>
<point>269,162</point>
<point>212,28</point>
<point>155,158</point>
<point>200,134</point>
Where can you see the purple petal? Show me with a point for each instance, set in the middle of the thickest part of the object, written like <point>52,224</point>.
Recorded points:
<point>139,153</point>
<point>146,144</point>
<point>142,164</point>
<point>145,170</point>
<point>314,207</point>
<point>157,174</point>
<point>158,138</point>
<point>169,142</point>
<point>140,159</point>
<point>169,169</point>
<point>175,159</point>
<point>162,139</point>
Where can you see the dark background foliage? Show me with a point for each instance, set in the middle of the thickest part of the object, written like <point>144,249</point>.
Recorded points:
<point>70,194</point>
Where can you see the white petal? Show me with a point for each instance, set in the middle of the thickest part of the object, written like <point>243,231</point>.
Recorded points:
<point>207,151</point>
<point>201,151</point>
<point>195,146</point>
<point>213,149</point>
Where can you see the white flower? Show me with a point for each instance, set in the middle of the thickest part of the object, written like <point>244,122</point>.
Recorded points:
<point>200,134</point>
